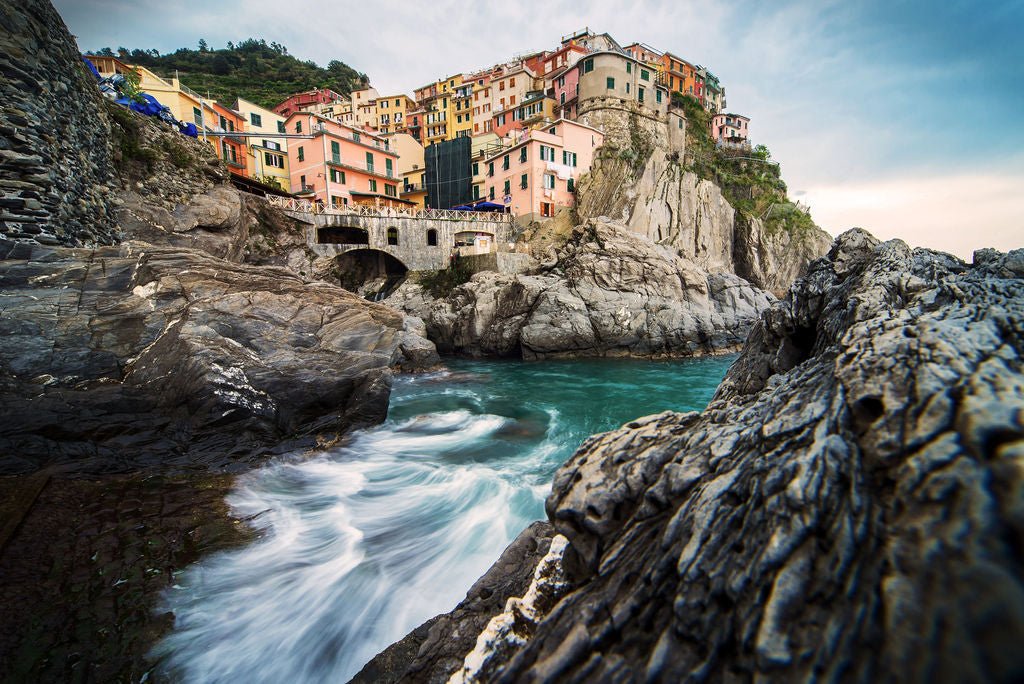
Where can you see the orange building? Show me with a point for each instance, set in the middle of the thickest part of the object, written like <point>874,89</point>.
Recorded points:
<point>680,75</point>
<point>341,164</point>
<point>231,148</point>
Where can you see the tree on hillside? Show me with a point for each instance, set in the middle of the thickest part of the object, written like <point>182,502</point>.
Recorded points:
<point>203,47</point>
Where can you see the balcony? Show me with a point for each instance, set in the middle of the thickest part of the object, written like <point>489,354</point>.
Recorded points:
<point>414,187</point>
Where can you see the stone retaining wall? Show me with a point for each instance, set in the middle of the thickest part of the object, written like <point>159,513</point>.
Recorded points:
<point>55,155</point>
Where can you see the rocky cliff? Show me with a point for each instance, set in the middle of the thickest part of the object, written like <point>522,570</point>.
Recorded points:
<point>119,357</point>
<point>659,198</point>
<point>850,506</point>
<point>607,292</point>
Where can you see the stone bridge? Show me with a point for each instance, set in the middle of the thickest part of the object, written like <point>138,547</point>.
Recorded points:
<point>420,240</point>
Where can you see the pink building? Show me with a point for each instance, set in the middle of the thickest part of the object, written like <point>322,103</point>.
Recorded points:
<point>311,97</point>
<point>538,174</point>
<point>731,128</point>
<point>566,85</point>
<point>341,164</point>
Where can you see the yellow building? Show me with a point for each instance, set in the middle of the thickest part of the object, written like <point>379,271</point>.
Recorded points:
<point>447,110</point>
<point>461,122</point>
<point>268,156</point>
<point>414,187</point>
<point>392,111</point>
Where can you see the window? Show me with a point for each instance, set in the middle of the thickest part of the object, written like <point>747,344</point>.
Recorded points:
<point>389,169</point>
<point>588,66</point>
<point>373,185</point>
<point>511,100</point>
<point>476,168</point>
<point>355,136</point>
<point>657,96</point>
<point>197,114</point>
<point>547,209</point>
<point>640,94</point>
<point>501,85</point>
<point>302,155</point>
<point>390,190</point>
<point>369,161</point>
<point>280,127</point>
<point>562,98</point>
<point>432,234</point>
<point>523,181</point>
<point>504,163</point>
<point>271,145</point>
<point>335,152</point>
<point>491,193</point>
<point>275,160</point>
<point>522,155</point>
<point>337,202</point>
<point>549,181</point>
<point>629,66</point>
<point>680,123</point>
<point>337,176</point>
<point>397,103</point>
<point>223,123</point>
<point>570,185</point>
<point>512,82</point>
<point>476,192</point>
<point>547,153</point>
<point>255,119</point>
<point>627,88</point>
<point>298,126</point>
<point>611,83</point>
<point>568,158</point>
<point>393,237</point>
<point>508,186</point>
<point>645,75</point>
<point>302,182</point>
<point>490,168</point>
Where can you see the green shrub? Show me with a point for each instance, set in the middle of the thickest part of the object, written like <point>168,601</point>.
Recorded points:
<point>440,283</point>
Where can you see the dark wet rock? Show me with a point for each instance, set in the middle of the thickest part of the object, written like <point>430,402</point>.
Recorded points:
<point>122,356</point>
<point>435,649</point>
<point>850,506</point>
<point>609,292</point>
<point>79,576</point>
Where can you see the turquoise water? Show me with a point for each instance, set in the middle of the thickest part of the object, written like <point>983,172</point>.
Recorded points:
<point>360,544</point>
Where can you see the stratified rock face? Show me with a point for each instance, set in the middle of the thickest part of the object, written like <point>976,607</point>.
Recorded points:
<point>609,293</point>
<point>171,356</point>
<point>849,507</point>
<point>55,157</point>
<point>674,207</point>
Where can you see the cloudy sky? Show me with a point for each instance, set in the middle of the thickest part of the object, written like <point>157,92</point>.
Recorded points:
<point>904,117</point>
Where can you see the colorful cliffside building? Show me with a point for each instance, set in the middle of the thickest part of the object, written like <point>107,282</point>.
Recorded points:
<point>267,154</point>
<point>536,175</point>
<point>392,113</point>
<point>730,128</point>
<point>294,103</point>
<point>342,165</point>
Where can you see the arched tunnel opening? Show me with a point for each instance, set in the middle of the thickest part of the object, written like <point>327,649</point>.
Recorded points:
<point>370,273</point>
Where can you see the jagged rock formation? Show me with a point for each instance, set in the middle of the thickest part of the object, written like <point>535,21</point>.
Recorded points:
<point>138,355</point>
<point>55,152</point>
<point>849,507</point>
<point>671,206</point>
<point>608,293</point>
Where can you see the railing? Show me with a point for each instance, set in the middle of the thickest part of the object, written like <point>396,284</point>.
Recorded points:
<point>414,187</point>
<point>317,208</point>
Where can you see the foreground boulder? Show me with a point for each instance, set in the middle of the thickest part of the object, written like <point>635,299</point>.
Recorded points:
<point>608,292</point>
<point>849,507</point>
<point>118,357</point>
